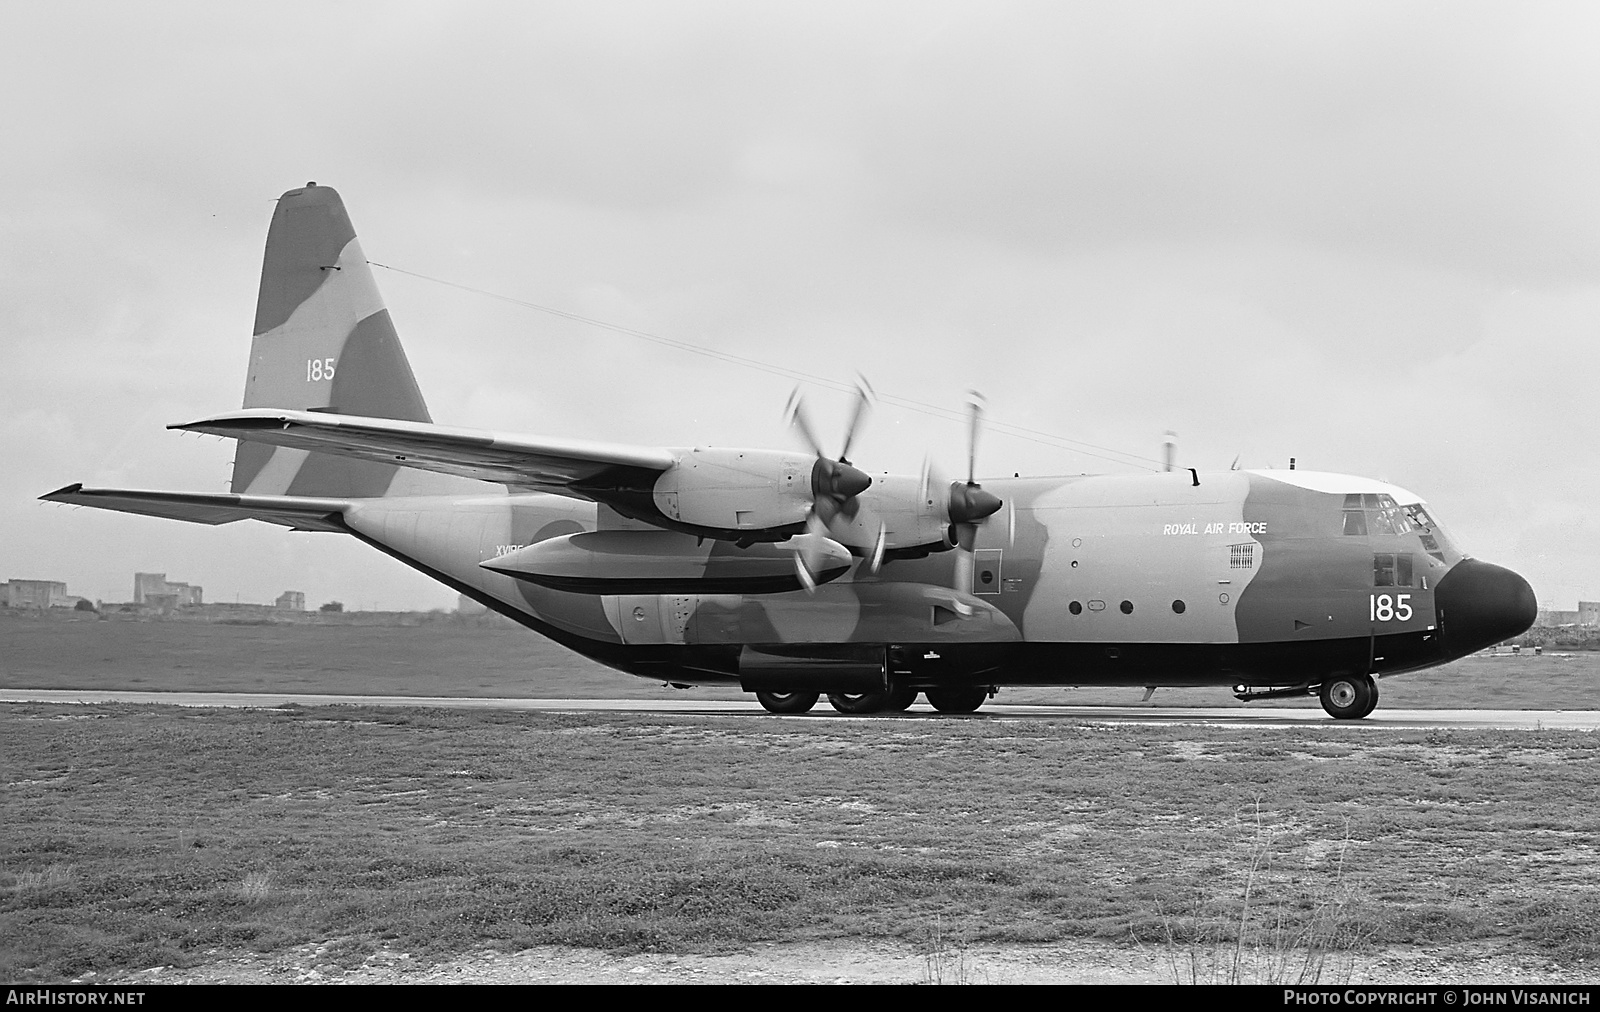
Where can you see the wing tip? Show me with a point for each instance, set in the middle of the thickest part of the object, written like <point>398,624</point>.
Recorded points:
<point>58,494</point>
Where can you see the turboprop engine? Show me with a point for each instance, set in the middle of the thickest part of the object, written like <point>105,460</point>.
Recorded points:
<point>667,562</point>
<point>752,494</point>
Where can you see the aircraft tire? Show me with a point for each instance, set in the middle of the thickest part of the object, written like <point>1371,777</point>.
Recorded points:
<point>1349,697</point>
<point>787,702</point>
<point>858,702</point>
<point>961,699</point>
<point>899,699</point>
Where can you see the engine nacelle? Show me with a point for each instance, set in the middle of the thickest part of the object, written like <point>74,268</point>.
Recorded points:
<point>737,490</point>
<point>666,562</point>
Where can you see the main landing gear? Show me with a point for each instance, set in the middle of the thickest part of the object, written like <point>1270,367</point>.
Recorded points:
<point>787,702</point>
<point>964,699</point>
<point>896,700</point>
<point>1349,697</point>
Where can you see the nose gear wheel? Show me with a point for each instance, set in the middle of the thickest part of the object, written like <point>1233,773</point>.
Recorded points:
<point>1349,697</point>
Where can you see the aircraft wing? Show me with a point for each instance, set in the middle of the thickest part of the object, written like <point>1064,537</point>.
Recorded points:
<point>295,512</point>
<point>548,465</point>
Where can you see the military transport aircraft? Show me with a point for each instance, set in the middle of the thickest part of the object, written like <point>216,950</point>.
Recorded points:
<point>794,575</point>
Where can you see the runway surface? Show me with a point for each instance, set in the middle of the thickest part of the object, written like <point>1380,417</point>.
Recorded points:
<point>1521,720</point>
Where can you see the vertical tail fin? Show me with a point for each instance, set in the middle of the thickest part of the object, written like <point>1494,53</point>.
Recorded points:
<point>323,342</point>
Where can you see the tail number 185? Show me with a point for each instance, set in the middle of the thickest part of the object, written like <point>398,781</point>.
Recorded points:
<point>1383,608</point>
<point>318,369</point>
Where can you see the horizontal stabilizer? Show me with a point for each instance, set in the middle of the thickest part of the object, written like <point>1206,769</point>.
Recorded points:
<point>295,512</point>
<point>548,465</point>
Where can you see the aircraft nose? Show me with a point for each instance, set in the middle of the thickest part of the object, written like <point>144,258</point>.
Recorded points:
<point>1481,604</point>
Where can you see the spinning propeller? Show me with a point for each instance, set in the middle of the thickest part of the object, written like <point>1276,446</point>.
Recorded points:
<point>967,504</point>
<point>835,485</point>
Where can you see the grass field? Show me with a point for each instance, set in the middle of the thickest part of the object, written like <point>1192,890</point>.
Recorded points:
<point>443,659</point>
<point>142,836</point>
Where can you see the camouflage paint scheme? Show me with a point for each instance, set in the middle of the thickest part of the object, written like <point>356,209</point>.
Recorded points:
<point>1250,578</point>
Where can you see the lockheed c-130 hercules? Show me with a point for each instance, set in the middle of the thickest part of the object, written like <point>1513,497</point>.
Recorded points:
<point>794,575</point>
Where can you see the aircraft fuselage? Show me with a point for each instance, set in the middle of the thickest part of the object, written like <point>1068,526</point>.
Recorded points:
<point>1233,578</point>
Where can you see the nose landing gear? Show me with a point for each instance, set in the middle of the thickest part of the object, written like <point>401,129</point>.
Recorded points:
<point>1345,697</point>
<point>1349,697</point>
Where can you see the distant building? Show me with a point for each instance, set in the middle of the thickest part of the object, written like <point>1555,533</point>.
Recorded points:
<point>1586,617</point>
<point>1554,618</point>
<point>37,594</point>
<point>292,600</point>
<point>153,589</point>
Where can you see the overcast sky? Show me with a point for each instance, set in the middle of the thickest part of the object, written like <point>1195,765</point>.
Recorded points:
<point>1366,235</point>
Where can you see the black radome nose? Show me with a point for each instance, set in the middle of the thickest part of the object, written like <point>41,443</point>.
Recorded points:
<point>1481,604</point>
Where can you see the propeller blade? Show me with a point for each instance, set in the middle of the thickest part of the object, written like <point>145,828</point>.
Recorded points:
<point>932,478</point>
<point>807,582</point>
<point>817,557</point>
<point>966,537</point>
<point>963,576</point>
<point>811,555</point>
<point>796,409</point>
<point>863,405</point>
<point>975,402</point>
<point>813,547</point>
<point>879,546</point>
<point>1011,525</point>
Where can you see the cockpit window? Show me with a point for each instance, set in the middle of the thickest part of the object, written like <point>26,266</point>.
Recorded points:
<point>1371,512</point>
<point>1391,520</point>
<point>1355,522</point>
<point>1427,529</point>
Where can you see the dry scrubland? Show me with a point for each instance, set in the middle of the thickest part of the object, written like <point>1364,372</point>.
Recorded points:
<point>490,658</point>
<point>144,836</point>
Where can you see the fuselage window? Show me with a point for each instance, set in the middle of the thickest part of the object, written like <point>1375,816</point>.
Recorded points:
<point>1392,569</point>
<point>1355,522</point>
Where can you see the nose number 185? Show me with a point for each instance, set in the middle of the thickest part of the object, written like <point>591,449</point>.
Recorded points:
<point>1383,608</point>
